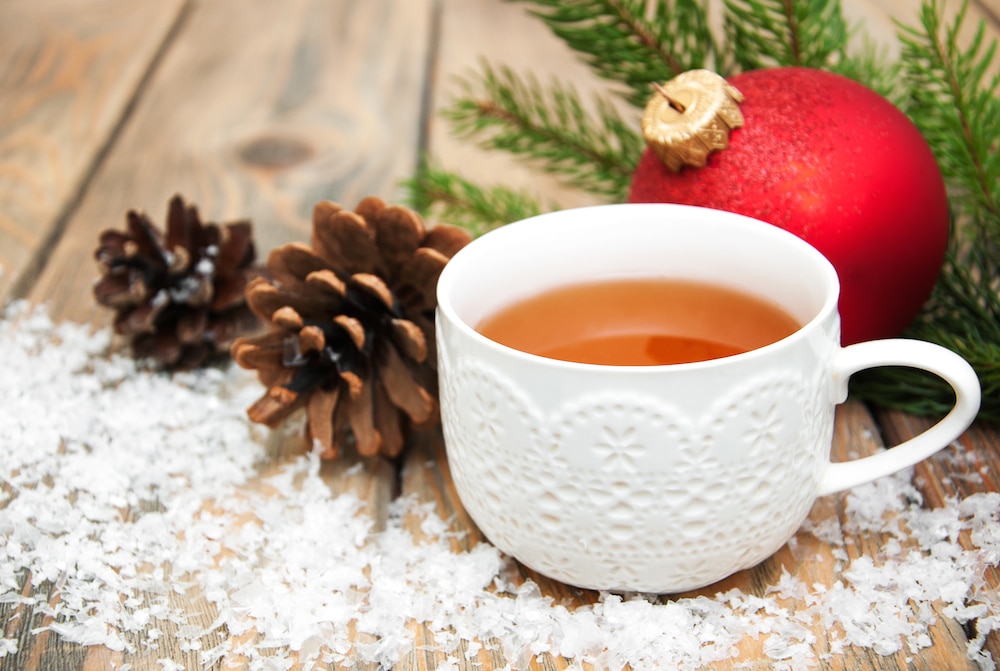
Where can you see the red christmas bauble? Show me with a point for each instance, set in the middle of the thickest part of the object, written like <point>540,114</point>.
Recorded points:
<point>841,167</point>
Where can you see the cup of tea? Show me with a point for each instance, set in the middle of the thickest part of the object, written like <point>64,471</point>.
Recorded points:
<point>640,397</point>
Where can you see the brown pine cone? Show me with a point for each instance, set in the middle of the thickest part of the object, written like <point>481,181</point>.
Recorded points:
<point>179,298</point>
<point>352,326</point>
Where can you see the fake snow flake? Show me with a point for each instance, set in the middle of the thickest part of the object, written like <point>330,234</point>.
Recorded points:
<point>8,646</point>
<point>120,490</point>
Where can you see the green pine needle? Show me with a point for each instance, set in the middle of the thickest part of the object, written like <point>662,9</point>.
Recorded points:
<point>449,198</point>
<point>964,316</point>
<point>594,152</point>
<point>957,106</point>
<point>871,66</point>
<point>634,42</point>
<point>769,33</point>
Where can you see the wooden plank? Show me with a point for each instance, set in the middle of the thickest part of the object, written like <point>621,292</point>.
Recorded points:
<point>969,466</point>
<point>991,10</point>
<point>856,434</point>
<point>272,144</point>
<point>426,477</point>
<point>258,109</point>
<point>68,71</point>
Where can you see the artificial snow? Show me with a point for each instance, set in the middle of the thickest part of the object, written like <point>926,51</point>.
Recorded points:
<point>127,495</point>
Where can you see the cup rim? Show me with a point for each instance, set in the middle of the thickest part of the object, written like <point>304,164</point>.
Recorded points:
<point>446,308</point>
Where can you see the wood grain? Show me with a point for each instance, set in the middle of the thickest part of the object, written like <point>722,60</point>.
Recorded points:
<point>321,101</point>
<point>971,465</point>
<point>68,72</point>
<point>258,109</point>
<point>991,11</point>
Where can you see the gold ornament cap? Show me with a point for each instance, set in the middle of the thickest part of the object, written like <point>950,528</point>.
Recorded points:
<point>691,116</point>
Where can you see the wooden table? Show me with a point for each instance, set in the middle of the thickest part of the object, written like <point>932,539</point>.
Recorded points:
<point>259,109</point>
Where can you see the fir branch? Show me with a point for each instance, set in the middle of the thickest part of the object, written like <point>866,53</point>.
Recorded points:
<point>964,316</point>
<point>957,108</point>
<point>634,42</point>
<point>449,198</point>
<point>873,67</point>
<point>551,128</point>
<point>767,33</point>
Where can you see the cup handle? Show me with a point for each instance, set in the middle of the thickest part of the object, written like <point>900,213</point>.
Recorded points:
<point>914,354</point>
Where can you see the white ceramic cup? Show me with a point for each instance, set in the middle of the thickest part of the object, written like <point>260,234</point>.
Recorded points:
<point>656,478</point>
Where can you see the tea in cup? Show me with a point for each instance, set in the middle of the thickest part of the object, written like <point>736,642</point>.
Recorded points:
<point>640,397</point>
<point>643,321</point>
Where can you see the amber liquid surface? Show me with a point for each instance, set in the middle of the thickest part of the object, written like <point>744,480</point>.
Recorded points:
<point>639,322</point>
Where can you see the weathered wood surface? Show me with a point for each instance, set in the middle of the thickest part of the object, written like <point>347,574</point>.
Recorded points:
<point>260,109</point>
<point>68,74</point>
<point>321,100</point>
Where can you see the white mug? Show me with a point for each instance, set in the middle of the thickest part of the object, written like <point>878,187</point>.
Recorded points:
<point>656,478</point>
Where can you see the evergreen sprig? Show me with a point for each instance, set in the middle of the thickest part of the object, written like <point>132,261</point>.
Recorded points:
<point>804,33</point>
<point>551,127</point>
<point>768,33</point>
<point>964,316</point>
<point>634,42</point>
<point>956,105</point>
<point>869,64</point>
<point>944,87</point>
<point>461,202</point>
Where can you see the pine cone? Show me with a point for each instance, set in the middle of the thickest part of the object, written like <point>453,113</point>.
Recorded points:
<point>352,326</point>
<point>179,299</point>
